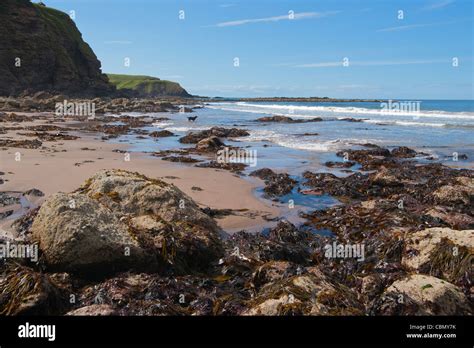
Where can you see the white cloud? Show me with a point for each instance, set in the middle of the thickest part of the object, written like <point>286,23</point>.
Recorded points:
<point>437,5</point>
<point>412,26</point>
<point>371,63</point>
<point>296,16</point>
<point>406,27</point>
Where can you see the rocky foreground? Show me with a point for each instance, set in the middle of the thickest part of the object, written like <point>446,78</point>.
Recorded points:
<point>125,244</point>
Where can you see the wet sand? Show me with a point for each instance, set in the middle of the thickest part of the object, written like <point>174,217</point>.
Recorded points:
<point>62,166</point>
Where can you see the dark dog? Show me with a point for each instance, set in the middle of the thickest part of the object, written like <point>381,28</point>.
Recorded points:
<point>192,119</point>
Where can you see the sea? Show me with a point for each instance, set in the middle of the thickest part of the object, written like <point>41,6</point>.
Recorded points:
<point>443,130</point>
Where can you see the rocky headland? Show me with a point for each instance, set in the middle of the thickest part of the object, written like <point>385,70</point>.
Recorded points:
<point>42,50</point>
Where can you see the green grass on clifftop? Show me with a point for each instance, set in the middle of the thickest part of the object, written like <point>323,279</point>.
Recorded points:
<point>147,85</point>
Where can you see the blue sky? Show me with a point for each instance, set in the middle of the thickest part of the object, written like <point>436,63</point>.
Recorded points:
<point>283,53</point>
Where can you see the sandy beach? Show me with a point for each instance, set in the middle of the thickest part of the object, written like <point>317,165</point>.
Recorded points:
<point>62,166</point>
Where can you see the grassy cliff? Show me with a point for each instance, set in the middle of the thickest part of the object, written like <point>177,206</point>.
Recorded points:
<point>147,86</point>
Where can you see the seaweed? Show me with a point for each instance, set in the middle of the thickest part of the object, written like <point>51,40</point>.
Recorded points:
<point>451,262</point>
<point>23,291</point>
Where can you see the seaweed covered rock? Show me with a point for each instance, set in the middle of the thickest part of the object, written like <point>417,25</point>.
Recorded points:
<point>385,178</point>
<point>136,195</point>
<point>211,144</point>
<point>276,184</point>
<point>403,152</point>
<point>283,243</point>
<point>372,285</point>
<point>149,294</point>
<point>276,118</point>
<point>161,134</point>
<point>369,158</point>
<point>286,119</point>
<point>344,164</point>
<point>233,167</point>
<point>153,294</point>
<point>394,178</point>
<point>272,271</point>
<point>160,216</point>
<point>122,220</point>
<point>441,252</point>
<point>220,132</point>
<point>423,295</point>
<point>77,233</point>
<point>24,291</point>
<point>352,186</point>
<point>311,293</point>
<point>460,192</point>
<point>447,215</point>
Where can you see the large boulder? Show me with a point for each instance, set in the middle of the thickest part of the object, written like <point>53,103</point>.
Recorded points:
<point>77,233</point>
<point>136,195</point>
<point>442,252</point>
<point>121,220</point>
<point>419,294</point>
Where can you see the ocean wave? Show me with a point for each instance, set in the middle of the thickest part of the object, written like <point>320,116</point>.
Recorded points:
<point>299,143</point>
<point>406,123</point>
<point>259,135</point>
<point>266,112</point>
<point>186,129</point>
<point>235,109</point>
<point>162,124</point>
<point>274,108</point>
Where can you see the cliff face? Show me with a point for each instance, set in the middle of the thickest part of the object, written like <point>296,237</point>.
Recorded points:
<point>146,86</point>
<point>41,49</point>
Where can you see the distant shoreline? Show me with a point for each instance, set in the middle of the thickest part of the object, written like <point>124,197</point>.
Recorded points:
<point>295,99</point>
